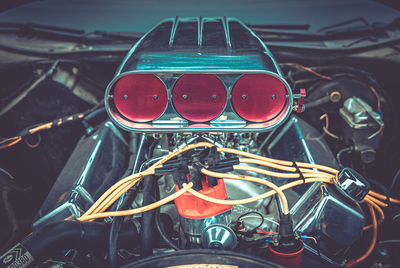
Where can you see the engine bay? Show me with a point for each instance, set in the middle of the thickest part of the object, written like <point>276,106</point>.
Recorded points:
<point>205,148</point>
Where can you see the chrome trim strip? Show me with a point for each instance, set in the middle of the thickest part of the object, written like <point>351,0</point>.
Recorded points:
<point>227,34</point>
<point>200,32</point>
<point>173,31</point>
<point>286,112</point>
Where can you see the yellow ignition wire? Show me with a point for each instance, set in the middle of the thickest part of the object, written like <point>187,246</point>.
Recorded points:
<point>154,205</point>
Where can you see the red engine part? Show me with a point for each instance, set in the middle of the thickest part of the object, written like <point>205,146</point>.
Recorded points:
<point>199,97</point>
<point>192,207</point>
<point>289,260</point>
<point>140,97</point>
<point>259,97</point>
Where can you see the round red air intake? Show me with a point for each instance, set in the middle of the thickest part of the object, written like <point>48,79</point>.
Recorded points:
<point>140,97</point>
<point>258,97</point>
<point>199,97</point>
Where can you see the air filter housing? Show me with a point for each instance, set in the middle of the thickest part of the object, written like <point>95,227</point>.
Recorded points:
<point>199,74</point>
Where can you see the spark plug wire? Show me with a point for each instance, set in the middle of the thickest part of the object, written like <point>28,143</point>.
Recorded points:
<point>311,173</point>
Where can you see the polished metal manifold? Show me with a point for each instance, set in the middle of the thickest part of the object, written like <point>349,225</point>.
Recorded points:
<point>224,48</point>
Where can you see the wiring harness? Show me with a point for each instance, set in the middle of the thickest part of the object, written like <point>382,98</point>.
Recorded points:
<point>8,142</point>
<point>303,172</point>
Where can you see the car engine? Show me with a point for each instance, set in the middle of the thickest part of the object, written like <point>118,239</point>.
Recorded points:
<point>204,150</point>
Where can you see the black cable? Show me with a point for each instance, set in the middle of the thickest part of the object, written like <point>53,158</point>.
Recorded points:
<point>253,212</point>
<point>395,179</point>
<point>5,172</point>
<point>389,242</point>
<point>317,102</point>
<point>396,217</point>
<point>341,152</point>
<point>299,172</point>
<point>345,72</point>
<point>318,249</point>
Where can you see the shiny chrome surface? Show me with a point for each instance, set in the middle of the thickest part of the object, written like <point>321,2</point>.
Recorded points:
<point>328,216</point>
<point>222,43</point>
<point>351,184</point>
<point>193,228</point>
<point>359,115</point>
<point>96,163</point>
<point>221,46</point>
<point>218,236</point>
<point>317,210</point>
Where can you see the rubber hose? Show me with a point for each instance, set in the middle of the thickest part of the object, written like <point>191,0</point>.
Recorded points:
<point>64,235</point>
<point>130,196</point>
<point>147,225</point>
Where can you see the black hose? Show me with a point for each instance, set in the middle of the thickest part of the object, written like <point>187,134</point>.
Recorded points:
<point>129,197</point>
<point>159,226</point>
<point>99,111</point>
<point>147,224</point>
<point>161,231</point>
<point>63,235</point>
<point>115,233</point>
<point>89,118</point>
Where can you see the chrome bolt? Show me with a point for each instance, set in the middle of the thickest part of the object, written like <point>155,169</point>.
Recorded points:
<point>244,96</point>
<point>155,97</point>
<point>214,96</point>
<point>125,97</point>
<point>184,96</point>
<point>273,96</point>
